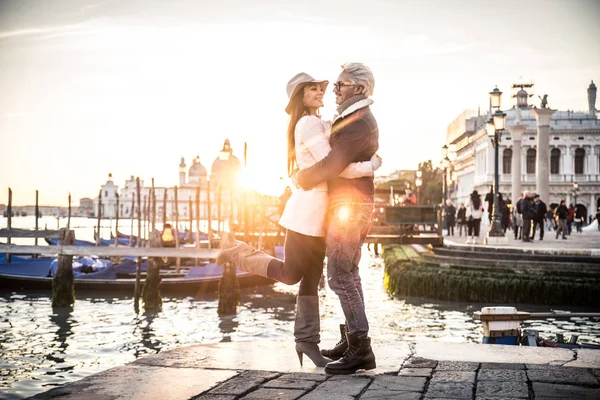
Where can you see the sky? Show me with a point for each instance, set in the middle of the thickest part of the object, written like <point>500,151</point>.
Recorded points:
<point>92,87</point>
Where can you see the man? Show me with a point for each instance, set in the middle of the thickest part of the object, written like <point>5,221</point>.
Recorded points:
<point>354,137</point>
<point>562,212</point>
<point>539,217</point>
<point>489,198</point>
<point>528,214</point>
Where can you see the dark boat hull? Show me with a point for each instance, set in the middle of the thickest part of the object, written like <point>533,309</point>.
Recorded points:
<point>171,286</point>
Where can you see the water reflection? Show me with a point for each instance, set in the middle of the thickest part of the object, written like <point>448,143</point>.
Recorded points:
<point>41,347</point>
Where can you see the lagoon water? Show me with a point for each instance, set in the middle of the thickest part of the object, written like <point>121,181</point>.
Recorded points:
<point>41,347</point>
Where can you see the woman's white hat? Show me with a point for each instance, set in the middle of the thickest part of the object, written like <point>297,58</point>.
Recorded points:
<point>297,83</point>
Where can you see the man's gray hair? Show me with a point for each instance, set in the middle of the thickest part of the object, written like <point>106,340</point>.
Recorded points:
<point>361,75</point>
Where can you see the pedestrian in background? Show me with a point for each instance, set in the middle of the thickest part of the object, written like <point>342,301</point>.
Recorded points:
<point>528,214</point>
<point>450,217</point>
<point>539,217</point>
<point>461,219</point>
<point>562,213</point>
<point>474,214</point>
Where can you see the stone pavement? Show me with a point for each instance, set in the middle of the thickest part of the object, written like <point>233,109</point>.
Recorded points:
<point>269,370</point>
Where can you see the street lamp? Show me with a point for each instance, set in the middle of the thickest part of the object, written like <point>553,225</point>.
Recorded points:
<point>445,161</point>
<point>418,183</point>
<point>575,192</point>
<point>494,128</point>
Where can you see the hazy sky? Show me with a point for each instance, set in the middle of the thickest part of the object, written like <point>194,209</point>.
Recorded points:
<point>129,87</point>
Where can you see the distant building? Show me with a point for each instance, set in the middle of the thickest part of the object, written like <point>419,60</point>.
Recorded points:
<point>86,206</point>
<point>574,153</point>
<point>195,181</point>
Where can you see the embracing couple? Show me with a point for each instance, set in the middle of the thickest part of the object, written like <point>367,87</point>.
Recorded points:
<point>330,215</point>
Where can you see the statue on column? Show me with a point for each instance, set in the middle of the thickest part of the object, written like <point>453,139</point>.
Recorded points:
<point>544,101</point>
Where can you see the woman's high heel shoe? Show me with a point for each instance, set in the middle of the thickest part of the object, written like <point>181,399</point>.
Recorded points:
<point>312,351</point>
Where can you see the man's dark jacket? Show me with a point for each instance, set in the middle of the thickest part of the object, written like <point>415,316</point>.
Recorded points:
<point>540,211</point>
<point>354,138</point>
<point>527,208</point>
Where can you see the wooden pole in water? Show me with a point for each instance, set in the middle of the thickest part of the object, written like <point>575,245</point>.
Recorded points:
<point>208,206</point>
<point>229,288</point>
<point>151,292</point>
<point>63,286</point>
<point>164,219</point>
<point>153,198</point>
<point>132,216</point>
<point>262,220</point>
<point>190,238</point>
<point>69,214</point>
<point>198,217</point>
<point>178,260</point>
<point>117,222</point>
<point>99,217</point>
<point>37,215</point>
<point>145,219</point>
<point>9,221</point>
<point>138,269</point>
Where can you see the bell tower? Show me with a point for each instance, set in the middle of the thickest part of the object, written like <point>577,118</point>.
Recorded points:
<point>182,172</point>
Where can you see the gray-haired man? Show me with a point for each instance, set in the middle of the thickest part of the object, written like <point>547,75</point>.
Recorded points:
<point>354,137</point>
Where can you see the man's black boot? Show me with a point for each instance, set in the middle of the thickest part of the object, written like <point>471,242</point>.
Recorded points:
<point>358,356</point>
<point>340,348</point>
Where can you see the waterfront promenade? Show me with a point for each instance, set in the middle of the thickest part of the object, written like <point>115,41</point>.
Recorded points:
<point>267,369</point>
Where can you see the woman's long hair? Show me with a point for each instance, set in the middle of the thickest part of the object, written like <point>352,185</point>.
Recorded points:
<point>298,111</point>
<point>476,200</point>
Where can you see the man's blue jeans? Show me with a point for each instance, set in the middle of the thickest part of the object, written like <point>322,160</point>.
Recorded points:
<point>349,224</point>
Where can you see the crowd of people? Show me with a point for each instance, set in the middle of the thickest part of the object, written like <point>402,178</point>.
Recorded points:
<point>525,218</point>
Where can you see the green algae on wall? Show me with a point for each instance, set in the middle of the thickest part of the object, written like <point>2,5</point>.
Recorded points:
<point>409,275</point>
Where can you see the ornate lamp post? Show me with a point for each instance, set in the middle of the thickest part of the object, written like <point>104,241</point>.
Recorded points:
<point>446,160</point>
<point>575,192</point>
<point>418,183</point>
<point>495,127</point>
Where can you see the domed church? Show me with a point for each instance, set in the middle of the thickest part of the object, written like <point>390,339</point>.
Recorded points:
<point>226,168</point>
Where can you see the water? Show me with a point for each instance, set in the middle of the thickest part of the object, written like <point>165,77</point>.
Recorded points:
<point>41,348</point>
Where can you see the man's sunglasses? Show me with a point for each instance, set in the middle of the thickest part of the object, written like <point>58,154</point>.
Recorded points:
<point>338,85</point>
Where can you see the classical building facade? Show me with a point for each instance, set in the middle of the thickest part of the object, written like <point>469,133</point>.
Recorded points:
<point>569,145</point>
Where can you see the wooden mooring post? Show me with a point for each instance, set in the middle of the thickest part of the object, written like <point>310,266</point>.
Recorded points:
<point>151,292</point>
<point>99,217</point>
<point>191,215</point>
<point>197,217</point>
<point>117,221</point>
<point>209,208</point>
<point>69,214</point>
<point>63,285</point>
<point>9,221</point>
<point>229,287</point>
<point>37,216</point>
<point>132,217</point>
<point>138,269</point>
<point>178,260</point>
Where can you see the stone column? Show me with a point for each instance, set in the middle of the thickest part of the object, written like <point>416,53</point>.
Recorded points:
<point>542,170</point>
<point>516,134</point>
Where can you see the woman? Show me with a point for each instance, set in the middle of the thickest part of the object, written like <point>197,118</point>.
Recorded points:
<point>461,219</point>
<point>474,214</point>
<point>304,216</point>
<point>517,220</point>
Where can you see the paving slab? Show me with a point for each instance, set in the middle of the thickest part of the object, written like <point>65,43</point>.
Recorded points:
<point>251,356</point>
<point>457,366</point>
<point>503,390</point>
<point>274,394</point>
<point>419,362</point>
<point>305,376</point>
<point>372,394</point>
<point>351,386</point>
<point>502,375</point>
<point>492,353</point>
<point>423,372</point>
<point>284,383</point>
<point>399,383</point>
<point>586,358</point>
<point>140,382</point>
<point>556,391</point>
<point>578,376</point>
<point>502,366</point>
<point>453,376</point>
<point>214,397</point>
<point>457,390</point>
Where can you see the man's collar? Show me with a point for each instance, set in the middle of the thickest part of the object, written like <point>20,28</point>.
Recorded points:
<point>348,107</point>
